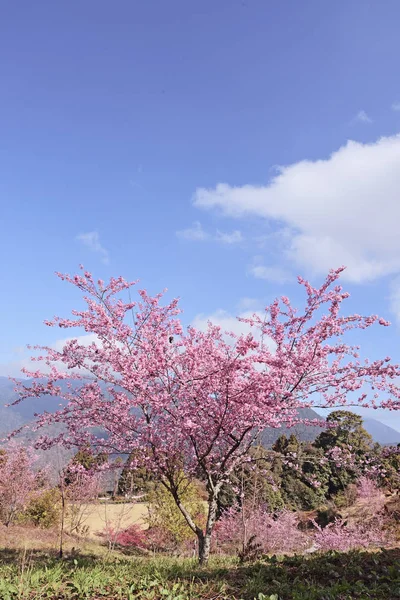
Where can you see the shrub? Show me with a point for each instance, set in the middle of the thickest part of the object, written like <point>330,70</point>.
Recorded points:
<point>133,536</point>
<point>166,520</point>
<point>367,488</point>
<point>342,537</point>
<point>346,497</point>
<point>159,539</point>
<point>326,515</point>
<point>369,493</point>
<point>298,495</point>
<point>44,510</point>
<point>238,528</point>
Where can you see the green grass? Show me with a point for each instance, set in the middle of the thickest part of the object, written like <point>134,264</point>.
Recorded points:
<point>38,575</point>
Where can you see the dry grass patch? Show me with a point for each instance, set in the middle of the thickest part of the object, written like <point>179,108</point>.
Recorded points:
<point>115,516</point>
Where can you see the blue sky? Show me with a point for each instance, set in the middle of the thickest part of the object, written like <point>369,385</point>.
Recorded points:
<point>199,146</point>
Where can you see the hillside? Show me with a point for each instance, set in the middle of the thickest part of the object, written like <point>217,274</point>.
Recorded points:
<point>305,433</point>
<point>381,433</point>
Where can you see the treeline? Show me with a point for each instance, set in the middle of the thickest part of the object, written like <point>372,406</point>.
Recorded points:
<point>295,474</point>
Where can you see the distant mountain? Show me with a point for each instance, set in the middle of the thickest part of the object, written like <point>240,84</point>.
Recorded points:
<point>26,409</point>
<point>305,433</point>
<point>381,433</point>
<point>15,416</point>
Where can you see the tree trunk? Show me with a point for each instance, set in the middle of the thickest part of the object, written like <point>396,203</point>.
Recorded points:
<point>205,538</point>
<point>61,548</point>
<point>204,548</point>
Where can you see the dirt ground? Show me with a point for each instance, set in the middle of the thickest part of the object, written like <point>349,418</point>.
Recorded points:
<point>98,517</point>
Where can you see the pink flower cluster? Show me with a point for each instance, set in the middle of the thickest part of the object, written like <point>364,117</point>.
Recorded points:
<point>341,537</point>
<point>273,533</point>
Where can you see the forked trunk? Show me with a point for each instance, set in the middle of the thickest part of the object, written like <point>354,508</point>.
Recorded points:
<point>204,537</point>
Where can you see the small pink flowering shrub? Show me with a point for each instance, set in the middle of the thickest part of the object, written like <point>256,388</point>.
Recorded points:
<point>367,488</point>
<point>369,493</point>
<point>155,539</point>
<point>19,483</point>
<point>279,533</point>
<point>132,537</point>
<point>341,537</point>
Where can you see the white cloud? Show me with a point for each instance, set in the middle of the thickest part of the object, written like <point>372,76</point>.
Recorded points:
<point>83,340</point>
<point>91,240</point>
<point>23,356</point>
<point>341,210</point>
<point>195,233</point>
<point>395,297</point>
<point>229,238</point>
<point>274,274</point>
<point>247,303</point>
<point>223,319</point>
<point>230,323</point>
<point>363,117</point>
<point>396,106</point>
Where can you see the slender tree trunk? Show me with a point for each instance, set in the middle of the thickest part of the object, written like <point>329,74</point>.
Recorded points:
<point>205,538</point>
<point>61,549</point>
<point>115,486</point>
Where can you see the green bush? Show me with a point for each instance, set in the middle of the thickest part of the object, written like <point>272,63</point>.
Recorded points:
<point>166,518</point>
<point>298,495</point>
<point>44,510</point>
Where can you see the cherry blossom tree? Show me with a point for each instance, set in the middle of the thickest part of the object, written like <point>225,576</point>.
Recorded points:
<point>186,403</point>
<point>18,481</point>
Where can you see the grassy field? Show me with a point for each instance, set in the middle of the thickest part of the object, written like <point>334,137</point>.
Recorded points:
<point>38,575</point>
<point>91,570</point>
<point>30,570</point>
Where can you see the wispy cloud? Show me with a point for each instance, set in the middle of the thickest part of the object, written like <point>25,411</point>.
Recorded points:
<point>91,240</point>
<point>362,117</point>
<point>229,238</point>
<point>394,298</point>
<point>196,233</point>
<point>275,274</point>
<point>21,357</point>
<point>396,106</point>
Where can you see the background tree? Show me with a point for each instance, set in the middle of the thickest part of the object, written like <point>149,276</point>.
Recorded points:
<point>18,482</point>
<point>44,508</point>
<point>135,478</point>
<point>254,482</point>
<point>201,401</point>
<point>345,428</point>
<point>345,432</point>
<point>301,472</point>
<point>85,458</point>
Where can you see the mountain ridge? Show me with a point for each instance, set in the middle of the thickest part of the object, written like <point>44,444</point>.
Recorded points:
<point>13,417</point>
